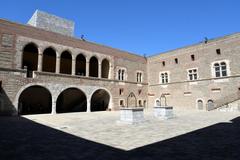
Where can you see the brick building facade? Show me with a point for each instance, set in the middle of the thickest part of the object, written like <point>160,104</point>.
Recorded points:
<point>42,71</point>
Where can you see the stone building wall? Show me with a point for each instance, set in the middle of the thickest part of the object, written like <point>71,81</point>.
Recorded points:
<point>14,78</point>
<point>184,93</point>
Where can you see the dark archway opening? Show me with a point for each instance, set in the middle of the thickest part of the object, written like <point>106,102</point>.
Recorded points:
<point>105,68</point>
<point>66,63</point>
<point>71,100</point>
<point>100,100</point>
<point>30,58</point>
<point>93,67</point>
<point>81,65</point>
<point>35,100</point>
<point>49,60</point>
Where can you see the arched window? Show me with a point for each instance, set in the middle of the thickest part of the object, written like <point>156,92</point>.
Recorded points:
<point>81,65</point>
<point>157,102</point>
<point>105,68</point>
<point>200,104</point>
<point>30,58</point>
<point>220,69</point>
<point>93,67</point>
<point>66,63</point>
<point>49,60</point>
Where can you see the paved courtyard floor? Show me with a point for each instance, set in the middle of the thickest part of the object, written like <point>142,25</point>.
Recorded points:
<point>97,135</point>
<point>102,127</point>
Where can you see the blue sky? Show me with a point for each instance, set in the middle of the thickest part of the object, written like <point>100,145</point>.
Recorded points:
<point>139,26</point>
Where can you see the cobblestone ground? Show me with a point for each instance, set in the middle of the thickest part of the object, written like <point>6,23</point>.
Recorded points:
<point>97,135</point>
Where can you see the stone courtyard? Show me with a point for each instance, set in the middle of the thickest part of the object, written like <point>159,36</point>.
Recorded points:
<point>102,127</point>
<point>97,135</point>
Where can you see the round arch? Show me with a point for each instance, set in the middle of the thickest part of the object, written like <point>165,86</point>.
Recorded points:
<point>210,104</point>
<point>39,103</point>
<point>105,68</point>
<point>93,67</point>
<point>30,58</point>
<point>100,100</point>
<point>71,100</point>
<point>81,65</point>
<point>66,62</point>
<point>157,102</point>
<point>199,104</point>
<point>49,60</point>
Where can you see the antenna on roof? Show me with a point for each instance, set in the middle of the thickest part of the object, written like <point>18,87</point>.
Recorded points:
<point>82,38</point>
<point>205,40</point>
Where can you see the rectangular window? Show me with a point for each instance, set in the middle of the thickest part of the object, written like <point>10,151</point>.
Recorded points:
<point>218,51</point>
<point>121,103</point>
<point>139,77</point>
<point>193,57</point>
<point>176,60</point>
<point>163,63</point>
<point>121,91</point>
<point>192,74</point>
<point>164,78</point>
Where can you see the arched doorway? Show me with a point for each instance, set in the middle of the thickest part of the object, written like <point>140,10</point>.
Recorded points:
<point>49,60</point>
<point>35,100</point>
<point>100,100</point>
<point>200,104</point>
<point>66,63</point>
<point>105,68</point>
<point>210,105</point>
<point>71,100</point>
<point>93,67</point>
<point>81,65</point>
<point>30,58</point>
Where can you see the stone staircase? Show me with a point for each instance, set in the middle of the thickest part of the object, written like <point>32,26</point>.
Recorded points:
<point>228,103</point>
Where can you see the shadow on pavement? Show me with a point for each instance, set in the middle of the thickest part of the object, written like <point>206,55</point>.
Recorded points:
<point>23,139</point>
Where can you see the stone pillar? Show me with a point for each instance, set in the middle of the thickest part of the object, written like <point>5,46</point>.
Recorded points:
<point>87,68</point>
<point>73,66</point>
<point>40,57</point>
<point>99,70</point>
<point>54,106</point>
<point>111,72</point>
<point>89,105</point>
<point>58,64</point>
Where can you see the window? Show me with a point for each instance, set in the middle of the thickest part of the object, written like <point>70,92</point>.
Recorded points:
<point>176,60</point>
<point>164,78</point>
<point>121,103</point>
<point>193,57</point>
<point>140,103</point>
<point>218,51</point>
<point>192,74</point>
<point>139,77</point>
<point>121,74</point>
<point>220,69</point>
<point>139,91</point>
<point>163,63</point>
<point>121,91</point>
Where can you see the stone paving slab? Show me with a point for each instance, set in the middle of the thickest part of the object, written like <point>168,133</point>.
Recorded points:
<point>102,127</point>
